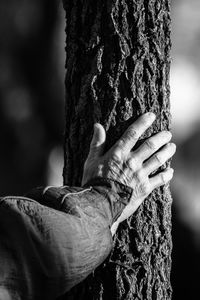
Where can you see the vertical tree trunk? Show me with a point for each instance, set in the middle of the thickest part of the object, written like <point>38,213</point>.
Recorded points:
<point>118,68</point>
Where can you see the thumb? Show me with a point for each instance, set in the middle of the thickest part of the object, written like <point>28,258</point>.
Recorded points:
<point>98,141</point>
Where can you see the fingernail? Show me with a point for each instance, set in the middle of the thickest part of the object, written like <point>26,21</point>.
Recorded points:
<point>170,173</point>
<point>95,127</point>
<point>173,146</point>
<point>151,115</point>
<point>168,133</point>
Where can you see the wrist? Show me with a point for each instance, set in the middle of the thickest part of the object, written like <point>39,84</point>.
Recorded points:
<point>118,194</point>
<point>115,185</point>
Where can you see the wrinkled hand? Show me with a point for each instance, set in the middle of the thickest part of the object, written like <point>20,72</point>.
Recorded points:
<point>132,168</point>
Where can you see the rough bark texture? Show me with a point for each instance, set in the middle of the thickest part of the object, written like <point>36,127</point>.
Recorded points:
<point>118,68</point>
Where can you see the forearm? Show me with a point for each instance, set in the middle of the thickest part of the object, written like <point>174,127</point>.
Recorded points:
<point>89,213</point>
<point>50,246</point>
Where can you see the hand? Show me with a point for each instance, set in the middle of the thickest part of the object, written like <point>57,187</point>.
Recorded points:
<point>132,168</point>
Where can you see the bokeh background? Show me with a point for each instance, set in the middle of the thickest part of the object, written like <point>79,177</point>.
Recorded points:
<point>32,60</point>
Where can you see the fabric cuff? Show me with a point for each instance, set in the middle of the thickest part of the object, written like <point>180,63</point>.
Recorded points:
<point>118,194</point>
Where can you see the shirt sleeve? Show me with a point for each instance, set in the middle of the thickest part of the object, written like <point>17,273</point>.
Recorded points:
<point>54,238</point>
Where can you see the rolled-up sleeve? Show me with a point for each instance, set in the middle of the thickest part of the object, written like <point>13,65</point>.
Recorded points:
<point>55,237</point>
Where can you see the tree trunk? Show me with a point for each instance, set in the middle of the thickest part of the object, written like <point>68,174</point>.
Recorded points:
<point>118,60</point>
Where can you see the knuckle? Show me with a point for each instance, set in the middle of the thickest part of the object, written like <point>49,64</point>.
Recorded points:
<point>132,135</point>
<point>145,188</point>
<point>129,137</point>
<point>150,145</point>
<point>139,176</point>
<point>159,159</point>
<point>121,143</point>
<point>133,164</point>
<point>117,157</point>
<point>130,163</point>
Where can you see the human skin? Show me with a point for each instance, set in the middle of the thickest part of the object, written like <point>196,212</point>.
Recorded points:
<point>131,168</point>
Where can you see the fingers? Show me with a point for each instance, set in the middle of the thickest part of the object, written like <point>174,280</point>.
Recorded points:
<point>159,158</point>
<point>98,141</point>
<point>132,134</point>
<point>161,178</point>
<point>152,144</point>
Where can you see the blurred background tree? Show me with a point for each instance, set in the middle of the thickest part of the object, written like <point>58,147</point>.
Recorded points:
<point>185,102</point>
<point>32,60</point>
<point>32,93</point>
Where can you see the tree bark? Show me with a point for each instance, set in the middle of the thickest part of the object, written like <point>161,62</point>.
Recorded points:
<point>118,61</point>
